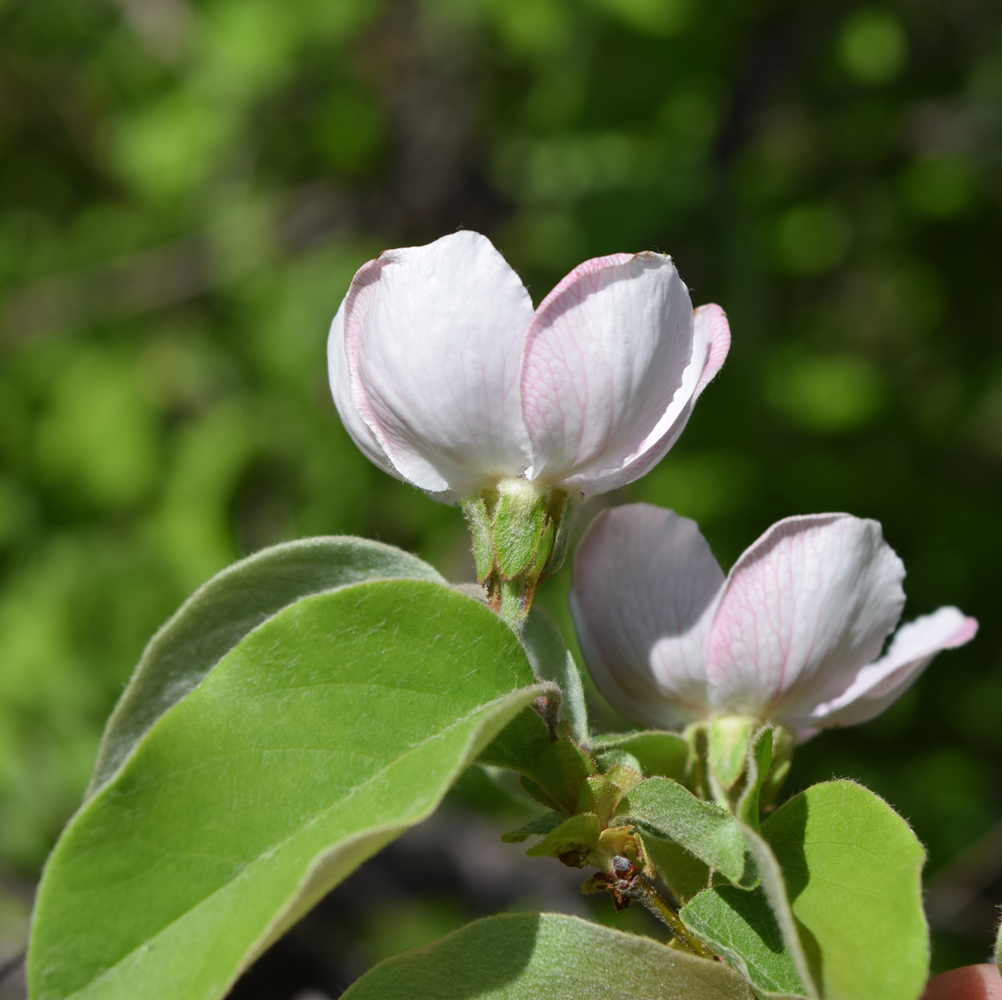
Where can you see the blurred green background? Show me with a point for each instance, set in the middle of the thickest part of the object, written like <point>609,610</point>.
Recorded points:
<point>187,187</point>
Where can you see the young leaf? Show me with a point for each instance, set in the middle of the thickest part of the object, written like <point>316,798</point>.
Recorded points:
<point>756,932</point>
<point>552,661</point>
<point>852,873</point>
<point>519,745</point>
<point>541,824</point>
<point>619,759</point>
<point>528,956</point>
<point>222,611</point>
<point>665,809</point>
<point>579,831</point>
<point>556,768</point>
<point>683,873</point>
<point>326,732</point>
<point>661,754</point>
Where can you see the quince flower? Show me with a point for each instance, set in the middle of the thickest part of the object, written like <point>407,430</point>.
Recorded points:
<point>792,634</point>
<point>446,378</point>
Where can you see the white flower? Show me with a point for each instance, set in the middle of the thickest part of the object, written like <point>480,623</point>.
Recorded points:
<point>445,376</point>
<point>792,634</point>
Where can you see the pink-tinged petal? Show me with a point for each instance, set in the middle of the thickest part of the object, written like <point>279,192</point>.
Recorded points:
<point>880,684</point>
<point>803,610</point>
<point>337,371</point>
<point>712,329</point>
<point>604,369</point>
<point>711,341</point>
<point>645,582</point>
<point>433,338</point>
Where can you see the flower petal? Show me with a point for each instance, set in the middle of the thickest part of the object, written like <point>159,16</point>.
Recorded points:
<point>711,341</point>
<point>645,583</point>
<point>433,337</point>
<point>803,609</point>
<point>337,371</point>
<point>604,369</point>
<point>712,329</point>
<point>881,683</point>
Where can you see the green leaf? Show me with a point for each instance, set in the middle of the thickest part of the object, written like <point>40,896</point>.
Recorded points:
<point>529,956</point>
<point>519,745</point>
<point>618,759</point>
<point>552,661</point>
<point>683,873</point>
<point>665,809</point>
<point>541,825</point>
<point>579,831</point>
<point>557,768</point>
<point>755,931</point>
<point>661,754</point>
<point>222,611</point>
<point>600,796</point>
<point>852,873</point>
<point>326,732</point>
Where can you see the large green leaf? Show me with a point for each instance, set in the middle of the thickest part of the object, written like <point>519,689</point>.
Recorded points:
<point>852,873</point>
<point>533,956</point>
<point>664,808</point>
<point>222,611</point>
<point>323,734</point>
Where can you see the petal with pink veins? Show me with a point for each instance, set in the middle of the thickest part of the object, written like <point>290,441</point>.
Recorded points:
<point>644,587</point>
<point>433,339</point>
<point>608,370</point>
<point>881,683</point>
<point>804,608</point>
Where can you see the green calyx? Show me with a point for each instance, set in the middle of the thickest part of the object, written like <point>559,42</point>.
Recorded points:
<point>519,534</point>
<point>741,763</point>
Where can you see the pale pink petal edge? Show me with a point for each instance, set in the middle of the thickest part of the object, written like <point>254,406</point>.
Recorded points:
<point>340,383</point>
<point>712,321</point>
<point>882,682</point>
<point>590,266</point>
<point>710,324</point>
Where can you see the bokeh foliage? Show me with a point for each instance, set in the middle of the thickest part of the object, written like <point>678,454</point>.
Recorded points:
<point>186,189</point>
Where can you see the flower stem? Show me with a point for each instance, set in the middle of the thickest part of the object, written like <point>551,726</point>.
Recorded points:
<point>645,894</point>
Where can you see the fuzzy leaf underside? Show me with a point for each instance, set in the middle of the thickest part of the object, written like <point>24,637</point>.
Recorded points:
<point>223,610</point>
<point>665,809</point>
<point>326,732</point>
<point>530,956</point>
